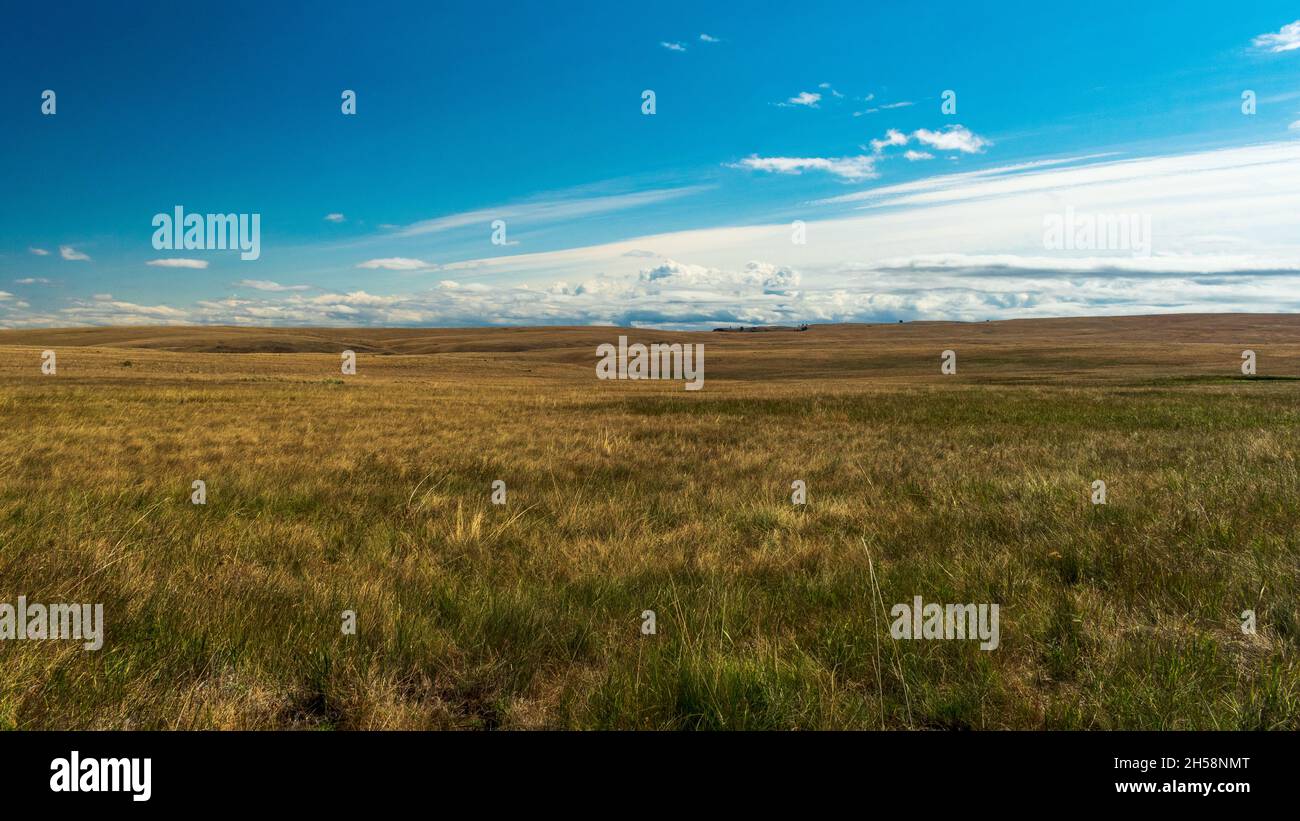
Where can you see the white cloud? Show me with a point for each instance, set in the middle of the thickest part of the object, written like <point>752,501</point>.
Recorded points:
<point>104,310</point>
<point>952,138</point>
<point>892,137</point>
<point>810,99</point>
<point>946,182</point>
<point>398,264</point>
<point>32,281</point>
<point>178,262</point>
<point>267,285</point>
<point>706,38</point>
<point>888,106</point>
<point>849,168</point>
<point>673,46</point>
<point>552,207</point>
<point>989,224</point>
<point>831,89</point>
<point>677,294</point>
<point>956,138</point>
<point>335,217</point>
<point>676,277</point>
<point>1225,237</point>
<point>667,293</point>
<point>1287,39</point>
<point>40,252</point>
<point>1295,126</point>
<point>68,252</point>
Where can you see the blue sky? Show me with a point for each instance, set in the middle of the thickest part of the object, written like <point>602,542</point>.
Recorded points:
<point>826,113</point>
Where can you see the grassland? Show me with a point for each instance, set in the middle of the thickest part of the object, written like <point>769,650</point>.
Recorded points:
<point>371,493</point>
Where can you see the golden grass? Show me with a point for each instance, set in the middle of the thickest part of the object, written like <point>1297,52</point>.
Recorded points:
<point>371,493</point>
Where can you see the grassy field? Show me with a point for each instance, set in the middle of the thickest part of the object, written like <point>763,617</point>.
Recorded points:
<point>371,493</point>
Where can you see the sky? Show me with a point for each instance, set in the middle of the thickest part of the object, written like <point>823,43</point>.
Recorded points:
<point>504,164</point>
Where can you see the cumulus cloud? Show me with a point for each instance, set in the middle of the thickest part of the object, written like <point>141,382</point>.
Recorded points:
<point>673,46</point>
<point>892,137</point>
<point>849,168</point>
<point>68,252</point>
<point>1286,39</point>
<point>40,252</point>
<point>670,293</point>
<point>952,138</point>
<point>808,99</point>
<point>707,38</point>
<point>686,295</point>
<point>335,217</point>
<point>755,276</point>
<point>398,264</point>
<point>177,262</point>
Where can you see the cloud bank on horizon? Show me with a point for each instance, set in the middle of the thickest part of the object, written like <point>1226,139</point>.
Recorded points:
<point>903,197</point>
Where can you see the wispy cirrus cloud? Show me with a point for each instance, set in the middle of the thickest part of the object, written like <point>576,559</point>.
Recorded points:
<point>549,208</point>
<point>672,46</point>
<point>178,262</point>
<point>972,245</point>
<point>884,107</point>
<point>1225,237</point>
<point>848,168</point>
<point>1285,39</point>
<point>40,252</point>
<point>398,264</point>
<point>943,182</point>
<point>103,309</point>
<point>268,285</point>
<point>70,253</point>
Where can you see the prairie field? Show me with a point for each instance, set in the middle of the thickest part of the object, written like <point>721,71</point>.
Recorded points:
<point>372,493</point>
